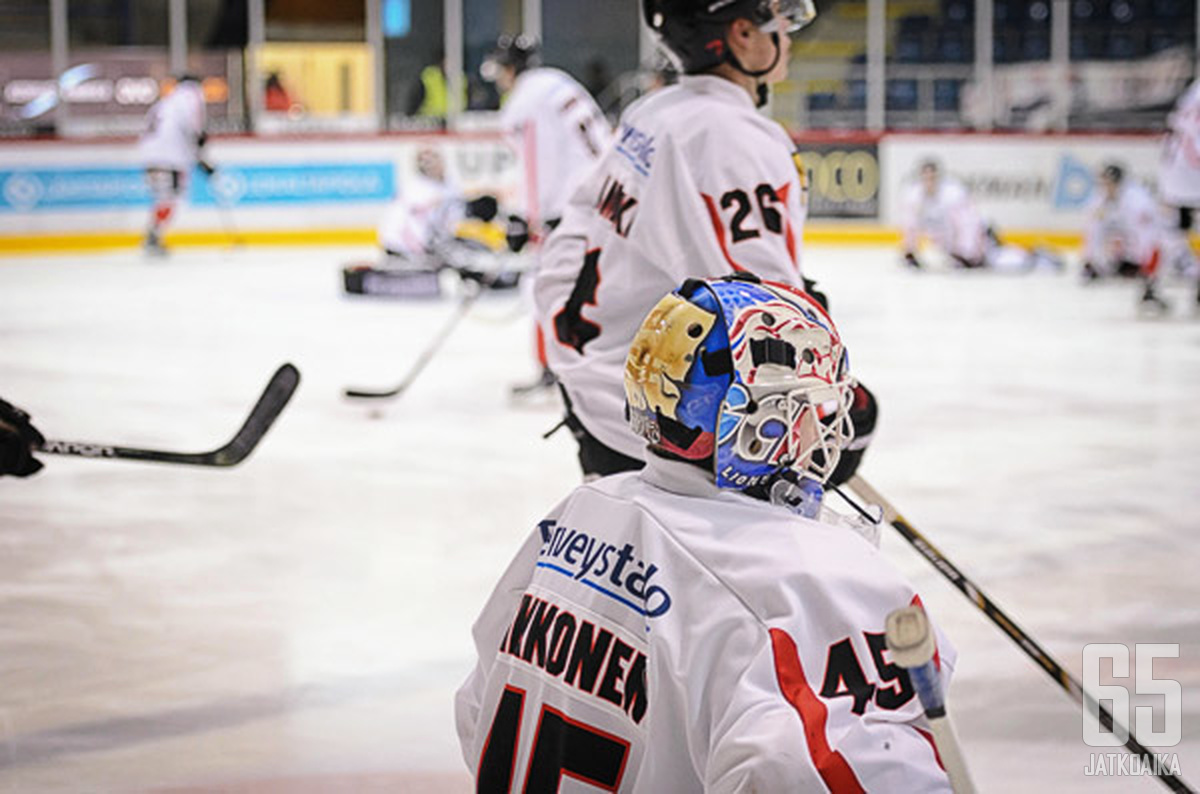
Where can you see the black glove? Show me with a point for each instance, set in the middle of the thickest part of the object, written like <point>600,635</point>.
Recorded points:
<point>517,233</point>
<point>484,208</point>
<point>864,413</point>
<point>17,439</point>
<point>911,260</point>
<point>810,287</point>
<point>208,168</point>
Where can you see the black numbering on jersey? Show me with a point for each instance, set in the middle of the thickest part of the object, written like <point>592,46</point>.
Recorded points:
<point>767,198</point>
<point>845,677</point>
<point>561,745</point>
<point>570,326</point>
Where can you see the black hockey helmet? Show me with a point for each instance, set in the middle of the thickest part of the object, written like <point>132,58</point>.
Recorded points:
<point>521,52</point>
<point>694,30</point>
<point>1113,172</point>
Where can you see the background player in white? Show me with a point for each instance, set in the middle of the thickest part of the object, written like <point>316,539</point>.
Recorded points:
<point>558,132</point>
<point>18,437</point>
<point>170,147</point>
<point>938,208</point>
<point>1179,172</point>
<point>1125,233</point>
<point>424,211</point>
<point>683,628</point>
<point>698,183</point>
<point>553,123</point>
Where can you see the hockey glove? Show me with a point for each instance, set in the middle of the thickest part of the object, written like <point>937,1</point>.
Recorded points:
<point>17,439</point>
<point>864,413</point>
<point>517,233</point>
<point>810,287</point>
<point>484,208</point>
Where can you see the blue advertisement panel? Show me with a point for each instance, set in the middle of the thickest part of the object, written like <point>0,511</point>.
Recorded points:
<point>49,189</point>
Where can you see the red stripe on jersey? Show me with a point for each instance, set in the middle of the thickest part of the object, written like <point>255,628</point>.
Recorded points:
<point>832,766</point>
<point>531,175</point>
<point>927,736</point>
<point>715,216</point>
<point>937,655</point>
<point>789,231</point>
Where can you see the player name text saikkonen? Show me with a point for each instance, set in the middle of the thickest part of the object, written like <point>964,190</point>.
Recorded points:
<point>584,654</point>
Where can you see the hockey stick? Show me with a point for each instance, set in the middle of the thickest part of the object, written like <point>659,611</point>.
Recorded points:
<point>464,306</point>
<point>913,646</point>
<point>997,616</point>
<point>283,384</point>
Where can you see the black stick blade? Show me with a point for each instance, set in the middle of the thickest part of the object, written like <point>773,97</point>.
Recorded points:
<point>264,413</point>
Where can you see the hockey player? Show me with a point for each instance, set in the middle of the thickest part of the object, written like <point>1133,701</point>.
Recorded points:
<point>426,209</point>
<point>556,128</point>
<point>171,146</point>
<point>697,183</point>
<point>1179,171</point>
<point>558,131</point>
<point>1125,233</point>
<point>685,628</point>
<point>18,437</point>
<point>938,207</point>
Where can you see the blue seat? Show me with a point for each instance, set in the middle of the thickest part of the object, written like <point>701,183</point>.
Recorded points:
<point>901,94</point>
<point>954,47</point>
<point>909,47</point>
<point>856,94</point>
<point>947,94</point>
<point>822,100</point>
<point>1035,45</point>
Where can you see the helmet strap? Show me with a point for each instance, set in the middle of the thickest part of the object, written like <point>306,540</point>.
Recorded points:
<point>761,89</point>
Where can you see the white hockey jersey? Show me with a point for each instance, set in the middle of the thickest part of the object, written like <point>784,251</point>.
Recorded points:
<point>948,219</point>
<point>424,210</point>
<point>559,132</point>
<point>658,634</point>
<point>1130,227</point>
<point>1179,175</point>
<point>173,128</point>
<point>697,184</point>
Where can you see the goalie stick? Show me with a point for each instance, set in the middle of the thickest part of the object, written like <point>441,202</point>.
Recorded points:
<point>913,646</point>
<point>997,616</point>
<point>277,394</point>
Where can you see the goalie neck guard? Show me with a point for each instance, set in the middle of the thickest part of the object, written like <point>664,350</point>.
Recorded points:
<point>749,377</point>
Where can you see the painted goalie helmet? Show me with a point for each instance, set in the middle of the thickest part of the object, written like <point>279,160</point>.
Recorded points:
<point>749,374</point>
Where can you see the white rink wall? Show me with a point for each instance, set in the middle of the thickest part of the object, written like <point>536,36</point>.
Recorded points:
<point>55,194</point>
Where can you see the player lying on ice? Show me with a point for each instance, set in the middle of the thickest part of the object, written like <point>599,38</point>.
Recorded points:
<point>706,624</point>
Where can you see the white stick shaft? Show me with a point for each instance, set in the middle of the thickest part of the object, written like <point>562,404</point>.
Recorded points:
<point>952,759</point>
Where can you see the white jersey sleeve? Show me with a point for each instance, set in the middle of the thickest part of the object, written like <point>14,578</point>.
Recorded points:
<point>1131,228</point>
<point>697,184</point>
<point>424,211</point>
<point>1179,174</point>
<point>656,634</point>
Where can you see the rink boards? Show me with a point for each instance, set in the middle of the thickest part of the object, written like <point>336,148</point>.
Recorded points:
<point>62,195</point>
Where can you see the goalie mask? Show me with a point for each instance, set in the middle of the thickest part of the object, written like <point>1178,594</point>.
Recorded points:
<point>750,375</point>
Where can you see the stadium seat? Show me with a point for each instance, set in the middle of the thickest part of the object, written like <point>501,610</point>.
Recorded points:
<point>1035,45</point>
<point>901,94</point>
<point>856,94</point>
<point>822,100</point>
<point>947,94</point>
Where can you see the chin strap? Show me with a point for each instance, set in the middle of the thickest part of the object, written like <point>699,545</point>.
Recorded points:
<point>762,90</point>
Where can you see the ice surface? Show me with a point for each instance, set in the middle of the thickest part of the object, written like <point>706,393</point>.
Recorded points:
<point>300,623</point>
